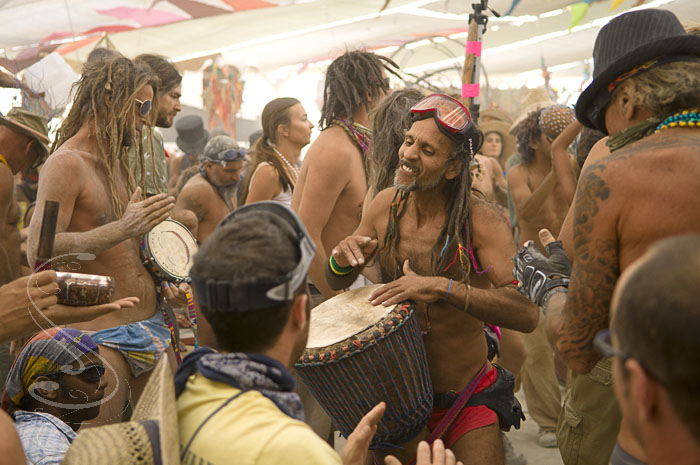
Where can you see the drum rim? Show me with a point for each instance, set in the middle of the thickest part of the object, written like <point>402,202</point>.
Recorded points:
<point>357,343</point>
<point>151,258</point>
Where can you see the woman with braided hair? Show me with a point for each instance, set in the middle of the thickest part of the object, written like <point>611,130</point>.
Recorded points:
<point>433,243</point>
<point>102,215</point>
<point>273,171</point>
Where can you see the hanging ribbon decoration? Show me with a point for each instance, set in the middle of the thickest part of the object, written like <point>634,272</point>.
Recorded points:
<point>472,59</point>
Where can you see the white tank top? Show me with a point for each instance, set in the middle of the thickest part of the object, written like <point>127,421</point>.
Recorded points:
<point>284,197</point>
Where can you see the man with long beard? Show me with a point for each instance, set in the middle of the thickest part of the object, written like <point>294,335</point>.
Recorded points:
<point>211,194</point>
<point>103,215</point>
<point>433,237</point>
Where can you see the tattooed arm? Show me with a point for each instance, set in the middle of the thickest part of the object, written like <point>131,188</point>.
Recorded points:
<point>573,321</point>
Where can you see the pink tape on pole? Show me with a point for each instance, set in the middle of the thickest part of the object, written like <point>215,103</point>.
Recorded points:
<point>474,48</point>
<point>470,90</point>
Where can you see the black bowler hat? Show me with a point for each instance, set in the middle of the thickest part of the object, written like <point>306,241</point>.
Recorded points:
<point>629,41</point>
<point>191,135</point>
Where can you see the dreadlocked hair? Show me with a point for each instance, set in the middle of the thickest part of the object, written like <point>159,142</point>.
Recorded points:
<point>275,113</point>
<point>390,121</point>
<point>117,80</point>
<point>453,245</point>
<point>354,79</point>
<point>527,133</point>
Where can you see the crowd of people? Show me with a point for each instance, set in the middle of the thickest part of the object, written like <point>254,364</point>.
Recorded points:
<point>556,252</point>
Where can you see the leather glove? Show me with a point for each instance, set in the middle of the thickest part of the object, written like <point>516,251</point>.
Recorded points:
<point>538,275</point>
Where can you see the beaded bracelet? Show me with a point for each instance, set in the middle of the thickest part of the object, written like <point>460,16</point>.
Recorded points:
<point>338,270</point>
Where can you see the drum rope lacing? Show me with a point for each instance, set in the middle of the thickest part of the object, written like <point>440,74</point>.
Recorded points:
<point>409,395</point>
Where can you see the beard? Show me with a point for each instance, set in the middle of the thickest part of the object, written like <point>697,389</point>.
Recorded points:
<point>164,121</point>
<point>415,184</point>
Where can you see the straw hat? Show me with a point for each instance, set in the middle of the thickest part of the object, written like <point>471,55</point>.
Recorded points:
<point>497,114</point>
<point>151,437</point>
<point>27,122</point>
<point>502,128</point>
<point>534,99</point>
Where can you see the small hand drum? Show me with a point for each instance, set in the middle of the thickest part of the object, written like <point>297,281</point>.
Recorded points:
<point>359,355</point>
<point>78,289</point>
<point>167,251</point>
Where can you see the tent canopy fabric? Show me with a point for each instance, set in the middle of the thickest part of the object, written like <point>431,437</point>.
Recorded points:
<point>269,34</point>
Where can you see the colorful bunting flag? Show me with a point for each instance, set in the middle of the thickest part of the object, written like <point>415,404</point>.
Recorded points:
<point>616,3</point>
<point>512,7</point>
<point>578,12</point>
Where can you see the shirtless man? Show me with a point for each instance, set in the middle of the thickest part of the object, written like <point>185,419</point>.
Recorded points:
<point>646,189</point>
<point>100,215</point>
<point>332,184</point>
<point>210,195</point>
<point>538,199</point>
<point>418,237</point>
<point>540,202</point>
<point>23,143</point>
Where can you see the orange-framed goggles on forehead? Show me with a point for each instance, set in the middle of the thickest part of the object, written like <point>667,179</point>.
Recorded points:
<point>451,117</point>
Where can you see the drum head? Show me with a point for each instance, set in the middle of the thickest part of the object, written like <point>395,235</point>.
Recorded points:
<point>173,246</point>
<point>344,316</point>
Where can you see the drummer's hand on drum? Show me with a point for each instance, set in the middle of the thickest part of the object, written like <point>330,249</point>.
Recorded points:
<point>357,446</point>
<point>410,286</point>
<point>440,455</point>
<point>141,216</point>
<point>354,250</point>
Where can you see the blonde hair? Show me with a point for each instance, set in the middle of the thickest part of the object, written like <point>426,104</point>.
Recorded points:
<point>117,80</point>
<point>667,89</point>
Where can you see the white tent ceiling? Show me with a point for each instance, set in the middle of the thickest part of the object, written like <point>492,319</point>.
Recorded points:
<point>271,34</point>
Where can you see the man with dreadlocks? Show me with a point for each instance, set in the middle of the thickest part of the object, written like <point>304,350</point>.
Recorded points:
<point>332,184</point>
<point>102,217</point>
<point>434,236</point>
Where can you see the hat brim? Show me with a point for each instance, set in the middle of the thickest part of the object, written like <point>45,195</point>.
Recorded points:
<point>193,147</point>
<point>39,137</point>
<point>678,45</point>
<point>509,146</point>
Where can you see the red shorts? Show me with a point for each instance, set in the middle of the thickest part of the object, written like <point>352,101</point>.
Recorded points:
<point>469,418</point>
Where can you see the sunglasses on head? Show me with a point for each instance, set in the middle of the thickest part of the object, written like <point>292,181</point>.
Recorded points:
<point>229,156</point>
<point>451,117</point>
<point>144,107</point>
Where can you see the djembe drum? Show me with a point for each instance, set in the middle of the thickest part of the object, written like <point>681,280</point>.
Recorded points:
<point>359,355</point>
<point>167,251</point>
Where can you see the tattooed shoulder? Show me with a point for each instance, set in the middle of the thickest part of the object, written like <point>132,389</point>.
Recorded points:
<point>192,203</point>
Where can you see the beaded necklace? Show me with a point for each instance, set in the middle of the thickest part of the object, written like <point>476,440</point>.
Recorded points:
<point>357,132</point>
<point>683,119</point>
<point>293,171</point>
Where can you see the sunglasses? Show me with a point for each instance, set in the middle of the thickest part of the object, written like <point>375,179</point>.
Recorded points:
<point>91,374</point>
<point>603,344</point>
<point>451,117</point>
<point>144,107</point>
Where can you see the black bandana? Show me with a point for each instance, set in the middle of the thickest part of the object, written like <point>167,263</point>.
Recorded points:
<point>247,372</point>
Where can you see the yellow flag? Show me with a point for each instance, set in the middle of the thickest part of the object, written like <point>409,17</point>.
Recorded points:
<point>615,4</point>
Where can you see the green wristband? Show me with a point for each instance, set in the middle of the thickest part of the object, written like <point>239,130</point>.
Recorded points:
<point>338,270</point>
